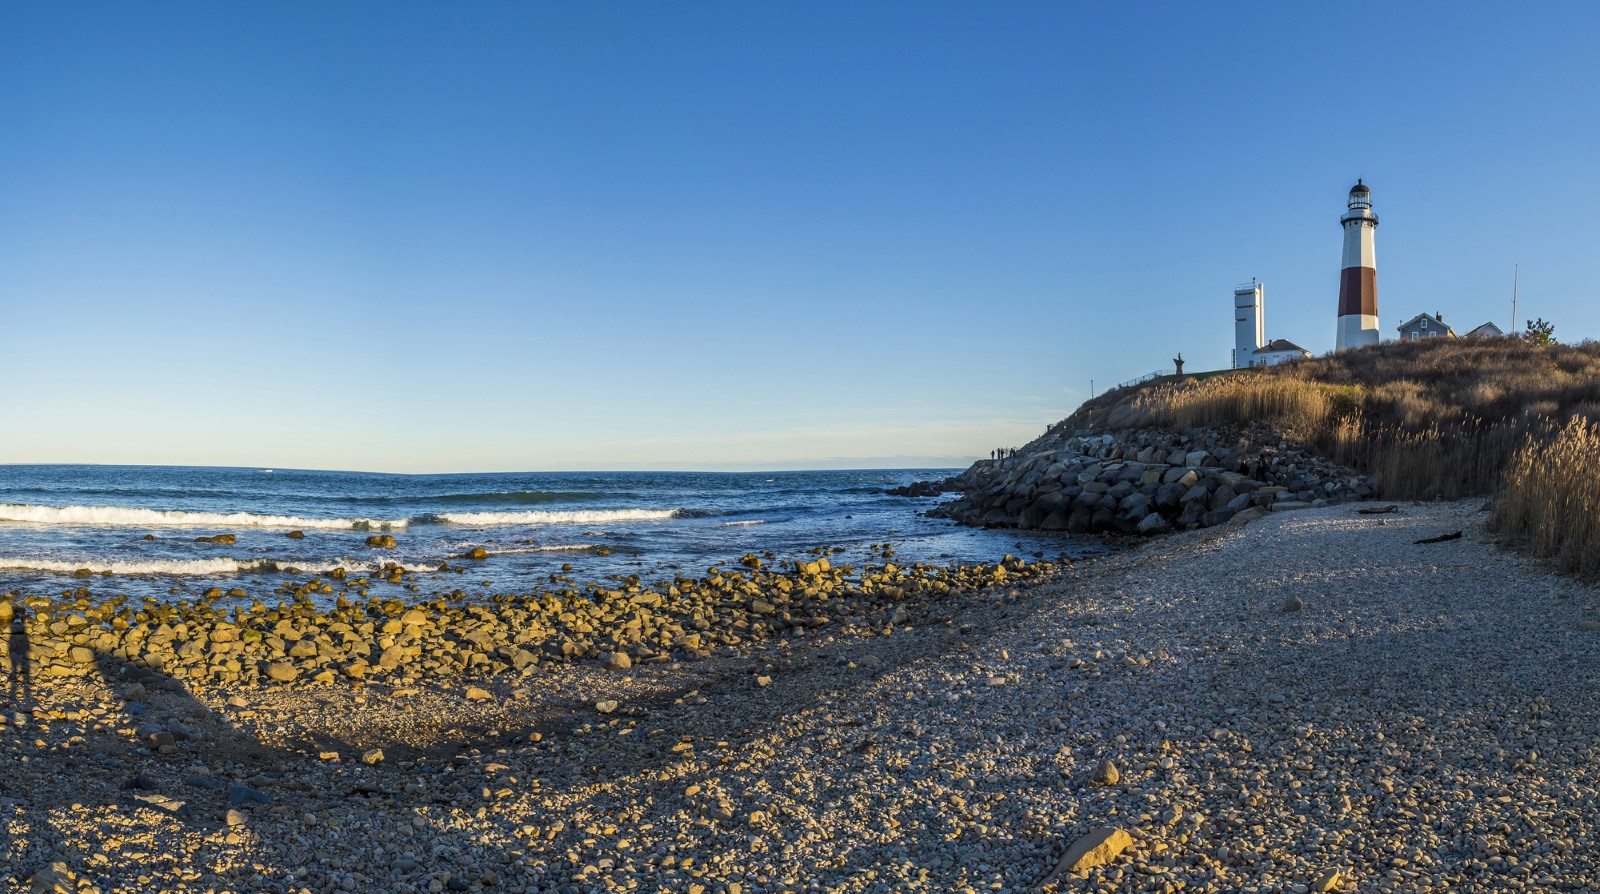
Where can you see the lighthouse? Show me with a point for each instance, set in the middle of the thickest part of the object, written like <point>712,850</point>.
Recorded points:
<point>1358,280</point>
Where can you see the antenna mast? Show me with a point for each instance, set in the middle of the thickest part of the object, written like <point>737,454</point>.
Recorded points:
<point>1515,270</point>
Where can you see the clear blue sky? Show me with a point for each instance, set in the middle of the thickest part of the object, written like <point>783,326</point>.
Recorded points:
<point>439,237</point>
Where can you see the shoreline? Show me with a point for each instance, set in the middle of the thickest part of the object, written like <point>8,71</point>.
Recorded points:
<point>960,752</point>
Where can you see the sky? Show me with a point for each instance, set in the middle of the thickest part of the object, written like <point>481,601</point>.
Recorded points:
<point>425,237</point>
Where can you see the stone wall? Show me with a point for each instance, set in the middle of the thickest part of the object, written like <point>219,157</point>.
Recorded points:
<point>1147,481</point>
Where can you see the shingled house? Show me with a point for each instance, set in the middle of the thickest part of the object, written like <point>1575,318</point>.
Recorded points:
<point>1425,326</point>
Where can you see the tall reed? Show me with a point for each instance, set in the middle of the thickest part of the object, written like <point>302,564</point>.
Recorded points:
<point>1549,497</point>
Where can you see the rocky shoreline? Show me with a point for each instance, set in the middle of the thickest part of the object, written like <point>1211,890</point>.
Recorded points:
<point>1147,482</point>
<point>1309,702</point>
<point>316,635</point>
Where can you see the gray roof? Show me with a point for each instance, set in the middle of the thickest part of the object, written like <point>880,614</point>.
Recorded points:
<point>1280,344</point>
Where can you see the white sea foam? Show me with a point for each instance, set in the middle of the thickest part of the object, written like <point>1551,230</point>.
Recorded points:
<point>365,567</point>
<point>142,566</point>
<point>577,517</point>
<point>115,516</point>
<point>201,567</point>
<point>741,524</point>
<point>553,548</point>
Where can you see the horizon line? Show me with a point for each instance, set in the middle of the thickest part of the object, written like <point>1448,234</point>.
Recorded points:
<point>751,468</point>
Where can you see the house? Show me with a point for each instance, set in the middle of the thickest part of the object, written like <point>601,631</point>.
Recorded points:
<point>1424,326</point>
<point>1487,330</point>
<point>1278,351</point>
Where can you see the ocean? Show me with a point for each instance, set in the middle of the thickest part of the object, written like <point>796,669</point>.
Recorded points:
<point>141,523</point>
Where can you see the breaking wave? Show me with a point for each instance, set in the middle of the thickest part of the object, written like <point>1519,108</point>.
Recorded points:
<point>202,567</point>
<point>558,548</point>
<point>115,516</point>
<point>521,496</point>
<point>142,566</point>
<point>576,517</point>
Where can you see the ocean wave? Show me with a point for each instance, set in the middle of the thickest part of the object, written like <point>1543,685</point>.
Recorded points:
<point>575,517</point>
<point>519,497</point>
<point>554,548</point>
<point>741,524</point>
<point>116,516</point>
<point>185,567</point>
<point>203,567</point>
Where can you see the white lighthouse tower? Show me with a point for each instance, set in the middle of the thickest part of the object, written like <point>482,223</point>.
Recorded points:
<point>1358,280</point>
<point>1249,323</point>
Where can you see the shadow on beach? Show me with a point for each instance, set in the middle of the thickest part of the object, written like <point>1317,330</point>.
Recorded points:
<point>127,776</point>
<point>111,752</point>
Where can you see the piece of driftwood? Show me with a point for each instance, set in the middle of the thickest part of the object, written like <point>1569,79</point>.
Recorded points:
<point>1440,539</point>
<point>1378,510</point>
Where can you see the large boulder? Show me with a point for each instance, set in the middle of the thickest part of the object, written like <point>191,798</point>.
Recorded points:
<point>1136,506</point>
<point>1191,514</point>
<point>1168,495</point>
<point>1198,493</point>
<point>1054,501</point>
<point>1152,524</point>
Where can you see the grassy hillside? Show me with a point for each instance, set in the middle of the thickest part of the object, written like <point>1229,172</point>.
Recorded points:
<point>1435,418</point>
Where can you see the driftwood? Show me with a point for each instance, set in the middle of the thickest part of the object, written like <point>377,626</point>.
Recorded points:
<point>1378,510</point>
<point>1440,539</point>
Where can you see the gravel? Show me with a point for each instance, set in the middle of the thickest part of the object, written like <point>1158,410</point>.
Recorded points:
<point>1426,720</point>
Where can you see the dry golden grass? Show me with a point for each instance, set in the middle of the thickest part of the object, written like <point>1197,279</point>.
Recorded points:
<point>1304,406</point>
<point>1549,497</point>
<point>1436,418</point>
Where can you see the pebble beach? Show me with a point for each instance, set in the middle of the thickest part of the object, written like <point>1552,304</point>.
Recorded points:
<point>1311,701</point>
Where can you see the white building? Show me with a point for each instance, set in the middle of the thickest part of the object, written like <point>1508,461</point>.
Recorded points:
<point>1278,351</point>
<point>1250,325</point>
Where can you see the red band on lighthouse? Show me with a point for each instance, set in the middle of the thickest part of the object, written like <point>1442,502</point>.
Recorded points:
<point>1358,291</point>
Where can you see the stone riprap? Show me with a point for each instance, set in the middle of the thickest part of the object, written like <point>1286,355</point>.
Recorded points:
<point>1147,482</point>
<point>1426,723</point>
